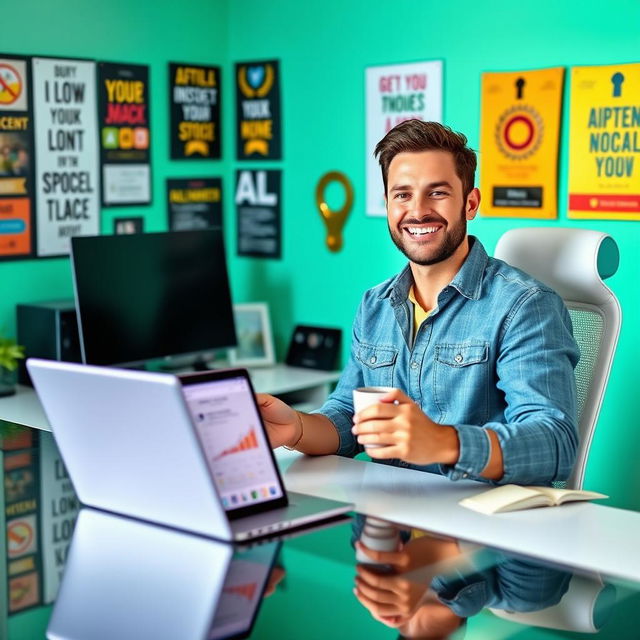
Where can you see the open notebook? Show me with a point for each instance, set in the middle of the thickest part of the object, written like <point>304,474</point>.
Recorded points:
<point>512,497</point>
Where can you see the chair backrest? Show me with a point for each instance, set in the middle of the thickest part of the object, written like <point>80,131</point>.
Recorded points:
<point>574,263</point>
<point>585,608</point>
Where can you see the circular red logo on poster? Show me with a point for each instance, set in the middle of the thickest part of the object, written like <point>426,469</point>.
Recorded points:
<point>19,537</point>
<point>519,132</point>
<point>10,84</point>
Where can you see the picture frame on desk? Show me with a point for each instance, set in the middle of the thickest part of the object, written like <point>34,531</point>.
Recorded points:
<point>255,340</point>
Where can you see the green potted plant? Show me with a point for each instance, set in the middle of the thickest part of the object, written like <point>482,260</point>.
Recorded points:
<point>10,353</point>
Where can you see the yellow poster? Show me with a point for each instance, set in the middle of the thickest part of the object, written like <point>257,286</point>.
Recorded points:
<point>604,142</point>
<point>519,136</point>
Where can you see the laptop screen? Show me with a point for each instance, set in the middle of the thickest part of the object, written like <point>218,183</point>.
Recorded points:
<point>243,590</point>
<point>234,442</point>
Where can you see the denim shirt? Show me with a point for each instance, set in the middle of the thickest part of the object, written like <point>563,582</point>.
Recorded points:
<point>496,353</point>
<point>511,584</point>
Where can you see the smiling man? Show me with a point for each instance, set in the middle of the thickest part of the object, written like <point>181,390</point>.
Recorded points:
<point>480,354</point>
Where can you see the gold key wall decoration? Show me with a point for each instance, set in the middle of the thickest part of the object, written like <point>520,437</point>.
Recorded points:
<point>334,220</point>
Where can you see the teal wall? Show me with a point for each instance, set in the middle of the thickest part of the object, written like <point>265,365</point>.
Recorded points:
<point>324,48</point>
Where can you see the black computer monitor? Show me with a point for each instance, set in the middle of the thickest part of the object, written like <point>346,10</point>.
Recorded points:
<point>147,296</point>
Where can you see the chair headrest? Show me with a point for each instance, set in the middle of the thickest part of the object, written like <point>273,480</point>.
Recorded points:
<point>572,261</point>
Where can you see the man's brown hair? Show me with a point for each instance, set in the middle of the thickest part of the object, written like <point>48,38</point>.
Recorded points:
<point>417,135</point>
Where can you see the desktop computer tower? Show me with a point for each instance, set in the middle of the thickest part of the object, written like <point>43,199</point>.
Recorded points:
<point>48,330</point>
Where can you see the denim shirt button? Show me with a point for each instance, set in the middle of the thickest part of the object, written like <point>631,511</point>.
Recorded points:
<point>459,358</point>
<point>414,365</point>
<point>373,360</point>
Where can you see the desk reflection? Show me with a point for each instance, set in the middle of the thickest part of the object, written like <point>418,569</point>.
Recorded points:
<point>128,579</point>
<point>426,586</point>
<point>39,508</point>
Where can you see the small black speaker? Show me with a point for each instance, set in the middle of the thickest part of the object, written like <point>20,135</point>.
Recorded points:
<point>48,330</point>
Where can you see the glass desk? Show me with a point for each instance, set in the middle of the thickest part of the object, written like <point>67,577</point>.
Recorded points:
<point>86,574</point>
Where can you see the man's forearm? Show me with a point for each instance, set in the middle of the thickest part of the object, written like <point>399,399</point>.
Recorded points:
<point>317,435</point>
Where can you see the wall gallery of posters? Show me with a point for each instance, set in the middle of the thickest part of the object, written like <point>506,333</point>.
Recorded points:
<point>394,94</point>
<point>194,99</point>
<point>258,206</point>
<point>519,140</point>
<point>258,122</point>
<point>16,159</point>
<point>194,203</point>
<point>123,100</point>
<point>67,181</point>
<point>604,142</point>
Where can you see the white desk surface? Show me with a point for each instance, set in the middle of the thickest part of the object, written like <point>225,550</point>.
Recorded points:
<point>24,407</point>
<point>282,378</point>
<point>584,536</point>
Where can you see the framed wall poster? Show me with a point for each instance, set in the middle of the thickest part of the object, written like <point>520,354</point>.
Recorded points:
<point>16,159</point>
<point>519,142</point>
<point>67,178</point>
<point>395,93</point>
<point>194,203</point>
<point>253,329</point>
<point>194,109</point>
<point>604,182</point>
<point>258,213</point>
<point>125,133</point>
<point>258,118</point>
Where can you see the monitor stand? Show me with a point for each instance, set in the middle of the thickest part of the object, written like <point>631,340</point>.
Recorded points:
<point>183,365</point>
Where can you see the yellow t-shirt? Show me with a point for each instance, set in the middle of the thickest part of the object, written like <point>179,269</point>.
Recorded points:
<point>419,314</point>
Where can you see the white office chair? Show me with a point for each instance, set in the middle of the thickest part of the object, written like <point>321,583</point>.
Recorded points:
<point>584,608</point>
<point>574,262</point>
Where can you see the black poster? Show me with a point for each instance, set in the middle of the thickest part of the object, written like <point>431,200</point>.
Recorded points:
<point>258,122</point>
<point>194,203</point>
<point>16,159</point>
<point>258,221</point>
<point>194,96</point>
<point>125,158</point>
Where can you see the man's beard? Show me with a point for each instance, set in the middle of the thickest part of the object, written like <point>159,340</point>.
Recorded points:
<point>451,241</point>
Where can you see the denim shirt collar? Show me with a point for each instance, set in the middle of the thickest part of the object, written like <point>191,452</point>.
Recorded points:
<point>468,280</point>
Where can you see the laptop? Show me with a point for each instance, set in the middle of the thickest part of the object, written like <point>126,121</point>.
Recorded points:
<point>187,451</point>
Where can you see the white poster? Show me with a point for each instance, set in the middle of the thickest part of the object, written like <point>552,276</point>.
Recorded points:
<point>394,94</point>
<point>66,135</point>
<point>126,183</point>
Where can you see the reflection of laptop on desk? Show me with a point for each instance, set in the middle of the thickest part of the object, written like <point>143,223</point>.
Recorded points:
<point>125,579</point>
<point>191,453</point>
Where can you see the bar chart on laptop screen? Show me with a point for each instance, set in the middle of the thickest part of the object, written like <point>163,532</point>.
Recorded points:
<point>237,451</point>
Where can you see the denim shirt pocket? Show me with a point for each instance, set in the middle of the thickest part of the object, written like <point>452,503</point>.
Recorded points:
<point>379,363</point>
<point>460,381</point>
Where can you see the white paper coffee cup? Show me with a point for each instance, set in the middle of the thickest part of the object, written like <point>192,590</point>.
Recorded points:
<point>378,535</point>
<point>364,397</point>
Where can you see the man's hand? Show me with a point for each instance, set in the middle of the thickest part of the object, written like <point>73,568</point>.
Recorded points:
<point>282,422</point>
<point>391,599</point>
<point>405,432</point>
